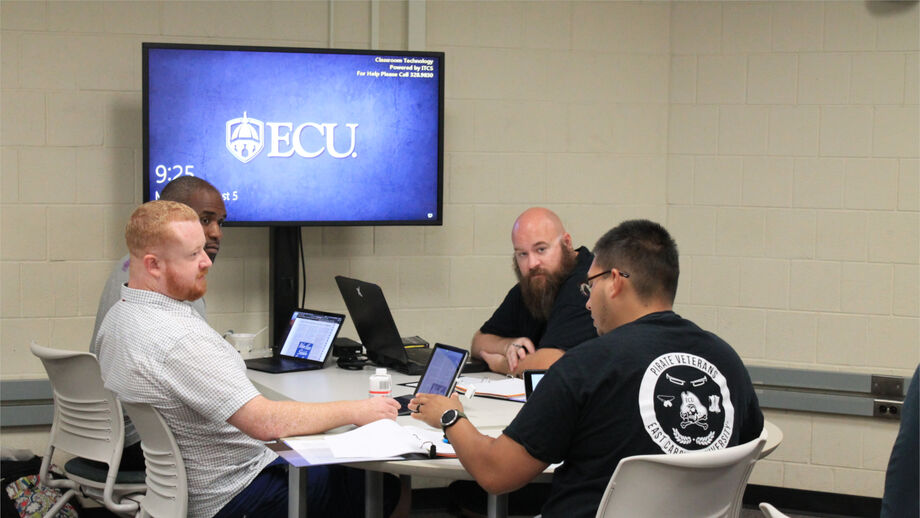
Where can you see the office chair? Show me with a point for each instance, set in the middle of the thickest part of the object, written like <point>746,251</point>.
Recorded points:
<point>167,486</point>
<point>771,512</point>
<point>709,483</point>
<point>88,423</point>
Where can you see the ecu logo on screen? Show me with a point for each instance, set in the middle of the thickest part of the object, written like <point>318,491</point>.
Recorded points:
<point>246,139</point>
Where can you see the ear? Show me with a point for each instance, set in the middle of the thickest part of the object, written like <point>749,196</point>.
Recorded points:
<point>616,285</point>
<point>154,266</point>
<point>567,239</point>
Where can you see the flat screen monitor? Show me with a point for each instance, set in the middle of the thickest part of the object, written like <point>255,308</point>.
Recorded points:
<point>298,136</point>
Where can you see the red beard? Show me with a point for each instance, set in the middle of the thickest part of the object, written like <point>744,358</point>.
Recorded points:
<point>189,292</point>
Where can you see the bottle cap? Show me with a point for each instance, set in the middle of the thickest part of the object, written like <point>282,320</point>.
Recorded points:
<point>381,371</point>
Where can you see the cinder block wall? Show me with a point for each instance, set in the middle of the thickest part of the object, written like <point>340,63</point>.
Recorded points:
<point>793,193</point>
<point>778,141</point>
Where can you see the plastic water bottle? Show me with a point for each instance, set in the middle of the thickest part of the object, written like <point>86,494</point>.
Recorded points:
<point>380,384</point>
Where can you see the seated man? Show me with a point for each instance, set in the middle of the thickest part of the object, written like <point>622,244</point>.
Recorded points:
<point>208,203</point>
<point>651,383</point>
<point>544,314</point>
<point>902,480</point>
<point>155,348</point>
<point>205,199</point>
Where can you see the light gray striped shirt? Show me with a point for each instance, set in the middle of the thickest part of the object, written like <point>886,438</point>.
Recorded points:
<point>111,294</point>
<point>157,350</point>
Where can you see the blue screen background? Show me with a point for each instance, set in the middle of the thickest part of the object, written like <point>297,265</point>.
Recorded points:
<point>192,93</point>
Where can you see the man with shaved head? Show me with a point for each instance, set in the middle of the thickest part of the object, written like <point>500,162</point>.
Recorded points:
<point>652,383</point>
<point>544,314</point>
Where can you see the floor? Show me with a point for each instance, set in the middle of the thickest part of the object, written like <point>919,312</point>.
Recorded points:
<point>444,513</point>
<point>745,513</point>
<point>428,504</point>
<point>435,503</point>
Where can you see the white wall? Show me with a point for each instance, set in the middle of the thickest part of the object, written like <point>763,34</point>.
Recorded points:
<point>777,140</point>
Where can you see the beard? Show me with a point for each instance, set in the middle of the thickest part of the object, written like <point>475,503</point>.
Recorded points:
<point>539,293</point>
<point>190,292</point>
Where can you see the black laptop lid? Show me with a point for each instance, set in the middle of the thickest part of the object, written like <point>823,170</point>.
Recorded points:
<point>310,334</point>
<point>373,321</point>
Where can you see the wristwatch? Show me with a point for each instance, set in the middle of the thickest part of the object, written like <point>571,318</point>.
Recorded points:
<point>450,418</point>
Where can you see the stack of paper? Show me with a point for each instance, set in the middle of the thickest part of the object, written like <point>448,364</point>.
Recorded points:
<point>505,388</point>
<point>381,440</point>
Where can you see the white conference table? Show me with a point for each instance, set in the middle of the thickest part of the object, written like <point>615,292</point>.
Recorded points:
<point>333,384</point>
<point>490,416</point>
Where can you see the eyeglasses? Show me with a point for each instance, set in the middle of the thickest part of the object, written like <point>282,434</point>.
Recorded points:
<point>586,286</point>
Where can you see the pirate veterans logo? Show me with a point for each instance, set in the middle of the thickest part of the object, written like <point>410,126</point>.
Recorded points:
<point>245,137</point>
<point>685,404</point>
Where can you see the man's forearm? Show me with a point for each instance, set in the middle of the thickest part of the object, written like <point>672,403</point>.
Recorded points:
<point>540,359</point>
<point>264,419</point>
<point>484,342</point>
<point>498,465</point>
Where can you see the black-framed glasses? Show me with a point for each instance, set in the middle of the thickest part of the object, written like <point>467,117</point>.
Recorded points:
<point>586,286</point>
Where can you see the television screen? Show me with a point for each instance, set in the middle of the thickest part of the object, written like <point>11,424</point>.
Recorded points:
<point>294,136</point>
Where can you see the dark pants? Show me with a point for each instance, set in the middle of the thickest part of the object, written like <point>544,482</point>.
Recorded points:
<point>132,458</point>
<point>331,491</point>
<point>528,500</point>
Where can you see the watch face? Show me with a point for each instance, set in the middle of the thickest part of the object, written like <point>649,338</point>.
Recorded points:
<point>448,417</point>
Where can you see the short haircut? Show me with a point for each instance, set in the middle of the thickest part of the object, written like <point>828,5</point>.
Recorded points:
<point>149,227</point>
<point>181,189</point>
<point>646,251</point>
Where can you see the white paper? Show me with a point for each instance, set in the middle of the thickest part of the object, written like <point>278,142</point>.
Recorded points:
<point>428,436</point>
<point>511,388</point>
<point>383,438</point>
<point>315,451</point>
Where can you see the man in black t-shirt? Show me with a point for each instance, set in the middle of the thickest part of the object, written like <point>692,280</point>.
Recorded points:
<point>544,314</point>
<point>651,383</point>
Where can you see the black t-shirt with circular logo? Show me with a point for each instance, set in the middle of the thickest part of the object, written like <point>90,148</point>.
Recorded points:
<point>659,384</point>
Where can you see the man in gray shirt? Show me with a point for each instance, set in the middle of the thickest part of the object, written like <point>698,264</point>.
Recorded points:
<point>154,348</point>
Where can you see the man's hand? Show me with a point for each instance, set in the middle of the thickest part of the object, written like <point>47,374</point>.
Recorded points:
<point>374,409</point>
<point>429,407</point>
<point>516,351</point>
<point>497,362</point>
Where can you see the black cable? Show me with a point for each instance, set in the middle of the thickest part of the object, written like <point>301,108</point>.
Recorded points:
<point>303,269</point>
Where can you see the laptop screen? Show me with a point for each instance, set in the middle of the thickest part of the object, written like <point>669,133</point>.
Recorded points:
<point>310,335</point>
<point>531,379</point>
<point>443,369</point>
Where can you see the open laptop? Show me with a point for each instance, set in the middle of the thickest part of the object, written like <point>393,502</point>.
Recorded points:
<point>307,343</point>
<point>376,328</point>
<point>440,376</point>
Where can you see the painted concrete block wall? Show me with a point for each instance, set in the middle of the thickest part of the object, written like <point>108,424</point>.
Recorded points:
<point>561,104</point>
<point>778,141</point>
<point>792,190</point>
